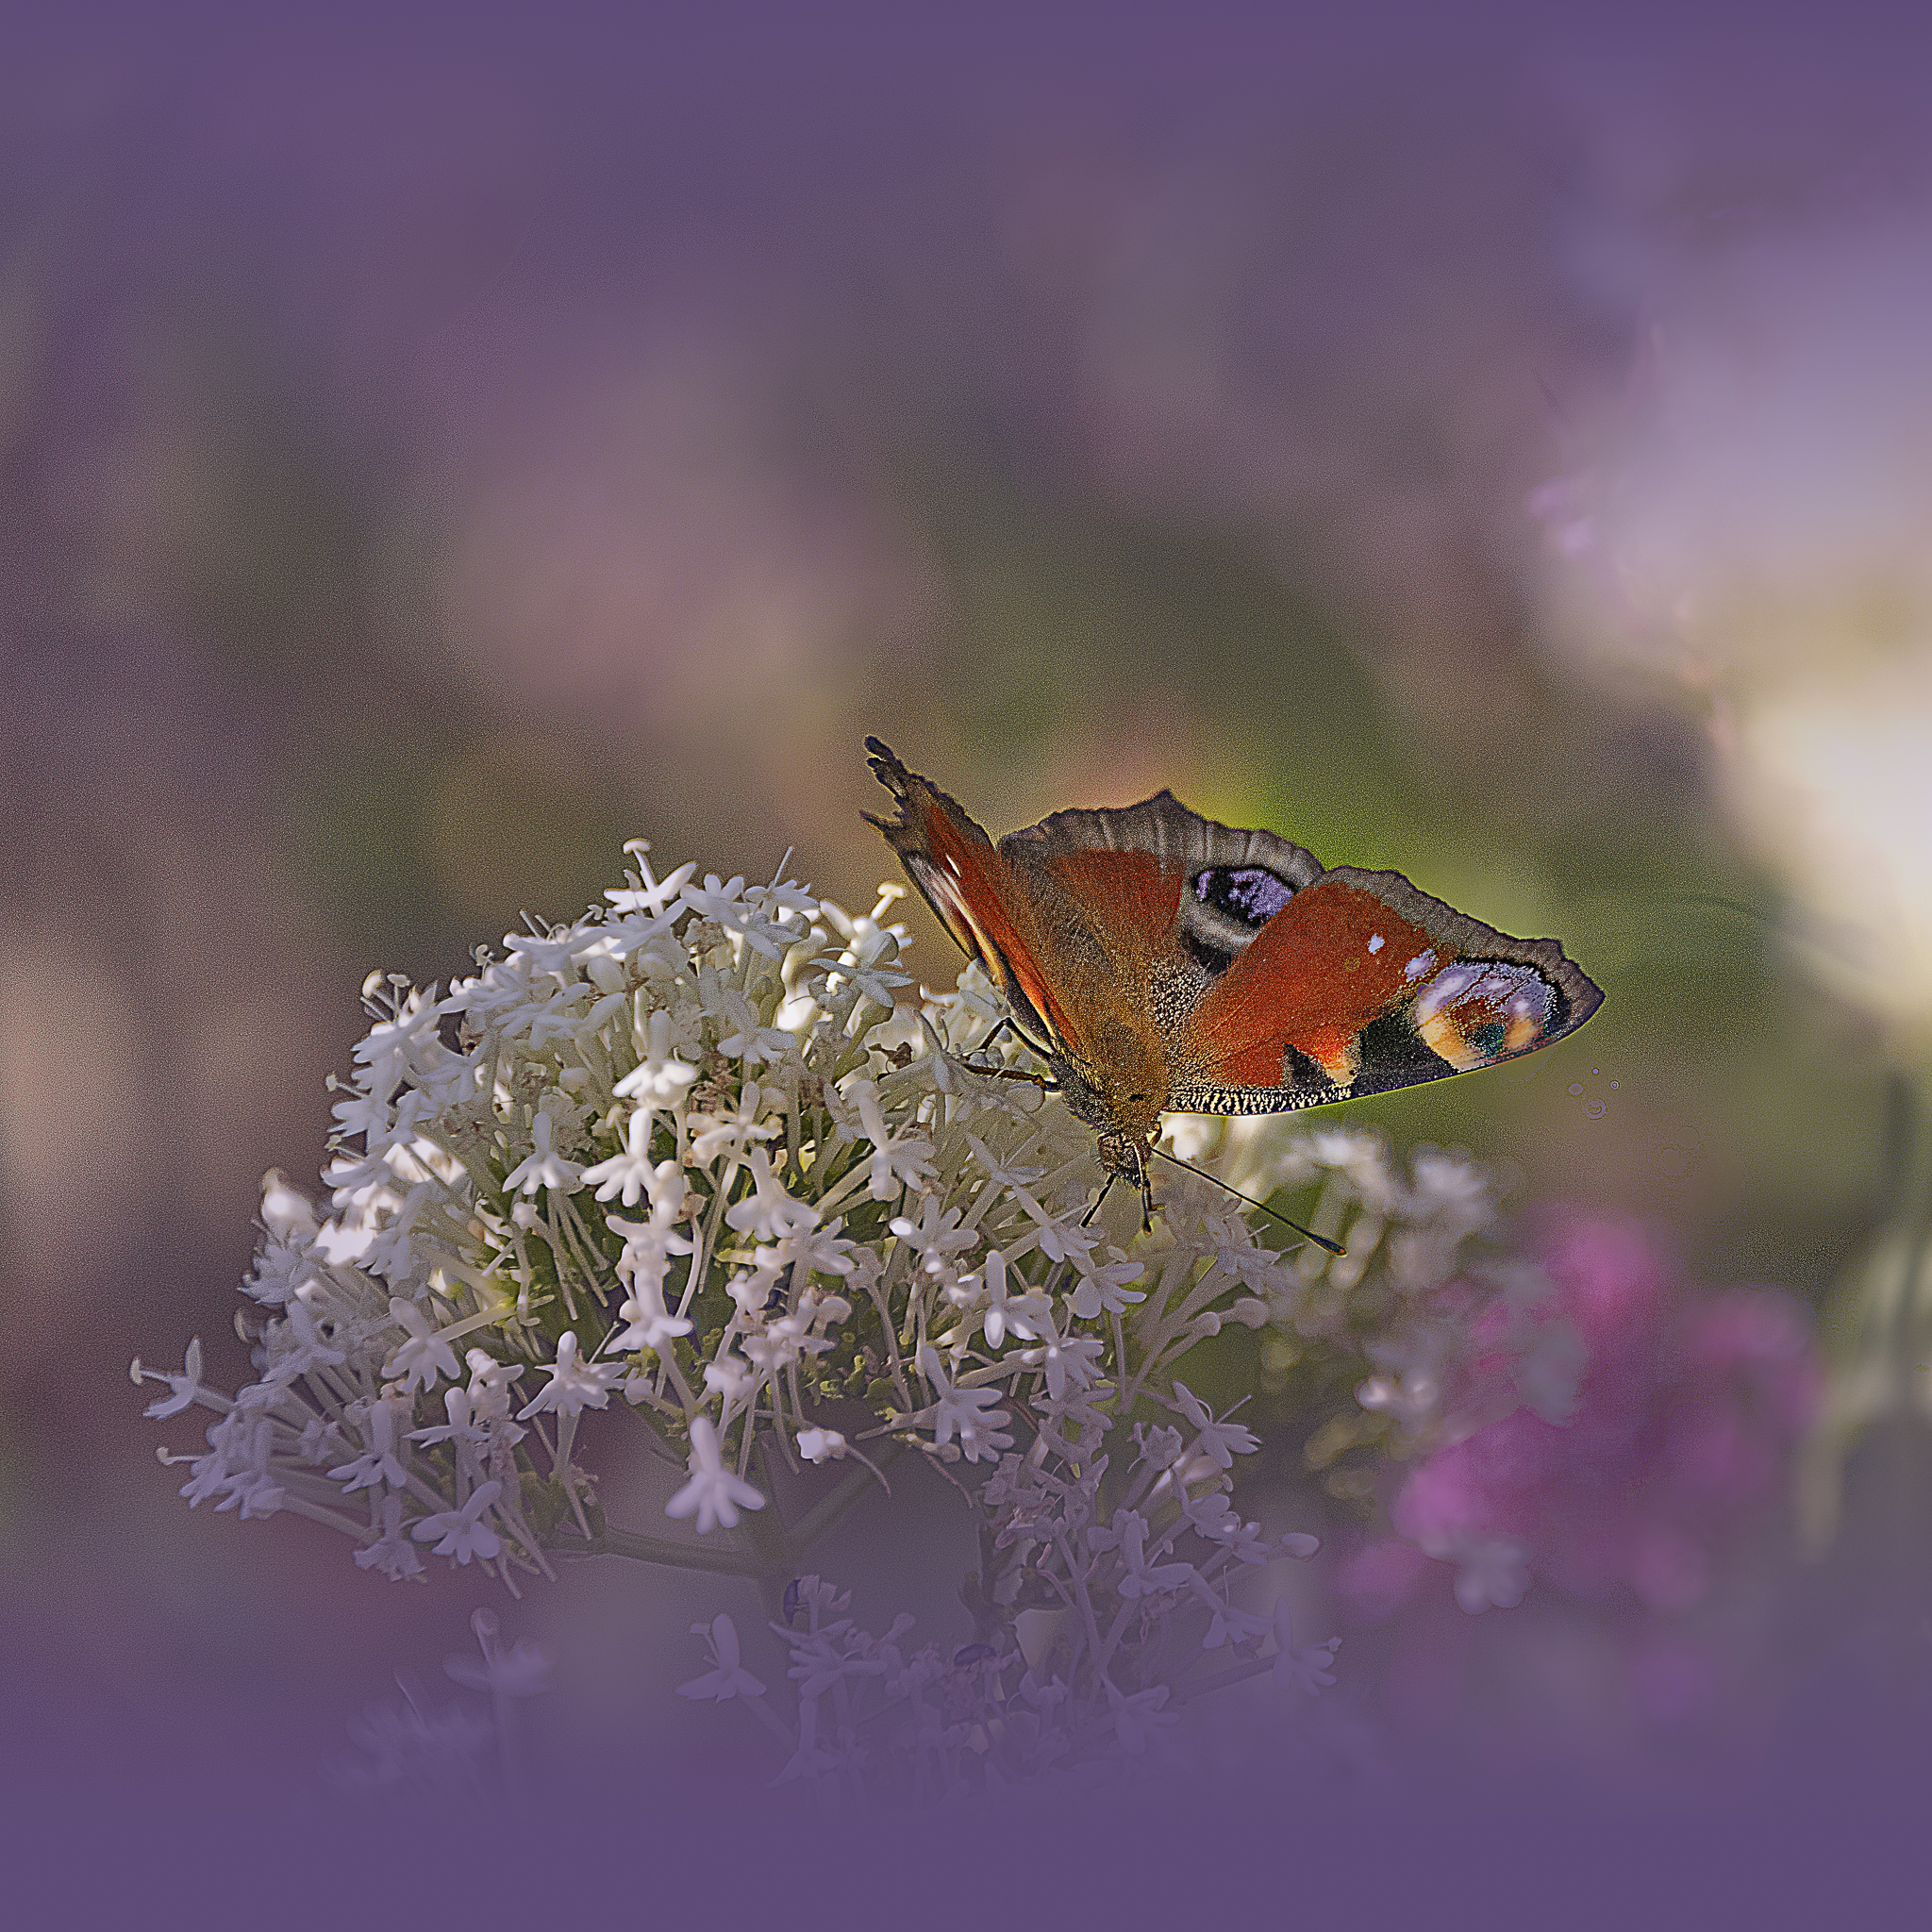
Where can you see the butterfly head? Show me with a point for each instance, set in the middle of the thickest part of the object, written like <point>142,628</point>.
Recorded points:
<point>1123,1157</point>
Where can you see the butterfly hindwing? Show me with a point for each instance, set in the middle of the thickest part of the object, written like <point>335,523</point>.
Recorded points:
<point>1360,983</point>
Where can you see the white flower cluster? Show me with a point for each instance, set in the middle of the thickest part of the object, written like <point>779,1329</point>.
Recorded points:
<point>1109,1600</point>
<point>685,1151</point>
<point>1122,1623</point>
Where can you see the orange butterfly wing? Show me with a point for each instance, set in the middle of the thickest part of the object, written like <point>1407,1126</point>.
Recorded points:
<point>1328,963</point>
<point>1124,898</point>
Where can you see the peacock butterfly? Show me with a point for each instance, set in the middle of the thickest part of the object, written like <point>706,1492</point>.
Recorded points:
<point>1158,961</point>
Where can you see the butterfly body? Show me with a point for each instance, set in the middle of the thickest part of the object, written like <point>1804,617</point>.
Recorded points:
<point>1159,961</point>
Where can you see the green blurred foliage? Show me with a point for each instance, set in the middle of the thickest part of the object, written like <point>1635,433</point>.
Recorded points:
<point>1068,652</point>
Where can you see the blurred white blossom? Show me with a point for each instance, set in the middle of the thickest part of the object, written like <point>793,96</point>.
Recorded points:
<point>407,1748</point>
<point>1752,524</point>
<point>1427,1303</point>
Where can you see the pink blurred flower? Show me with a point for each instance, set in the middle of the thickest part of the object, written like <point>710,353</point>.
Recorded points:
<point>1686,1412</point>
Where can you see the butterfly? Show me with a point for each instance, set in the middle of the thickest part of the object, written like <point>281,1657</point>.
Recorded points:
<point>1160,962</point>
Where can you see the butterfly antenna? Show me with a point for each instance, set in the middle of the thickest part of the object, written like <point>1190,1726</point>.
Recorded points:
<point>1321,1240</point>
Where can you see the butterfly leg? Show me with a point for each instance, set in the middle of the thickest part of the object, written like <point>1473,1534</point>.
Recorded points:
<point>1106,1185</point>
<point>1039,1080</point>
<point>1009,1025</point>
<point>1031,1078</point>
<point>1006,1025</point>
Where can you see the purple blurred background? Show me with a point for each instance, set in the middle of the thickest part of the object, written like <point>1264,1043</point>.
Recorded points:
<point>437,444</point>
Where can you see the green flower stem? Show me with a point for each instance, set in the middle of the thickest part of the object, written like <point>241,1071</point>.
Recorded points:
<point>1877,1334</point>
<point>720,1557</point>
<point>763,1531</point>
<point>770,1553</point>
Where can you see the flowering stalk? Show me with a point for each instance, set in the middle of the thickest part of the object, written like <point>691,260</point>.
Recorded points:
<point>686,1151</point>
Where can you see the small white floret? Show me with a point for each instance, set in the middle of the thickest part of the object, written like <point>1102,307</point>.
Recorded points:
<point>714,1494</point>
<point>821,1445</point>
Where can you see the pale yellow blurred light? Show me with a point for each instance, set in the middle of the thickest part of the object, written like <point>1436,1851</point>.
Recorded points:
<point>1752,528</point>
<point>1831,777</point>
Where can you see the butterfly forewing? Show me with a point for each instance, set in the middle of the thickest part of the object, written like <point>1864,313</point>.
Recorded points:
<point>1122,898</point>
<point>970,886</point>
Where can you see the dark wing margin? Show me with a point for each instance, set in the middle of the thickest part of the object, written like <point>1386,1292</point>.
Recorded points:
<point>1495,996</point>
